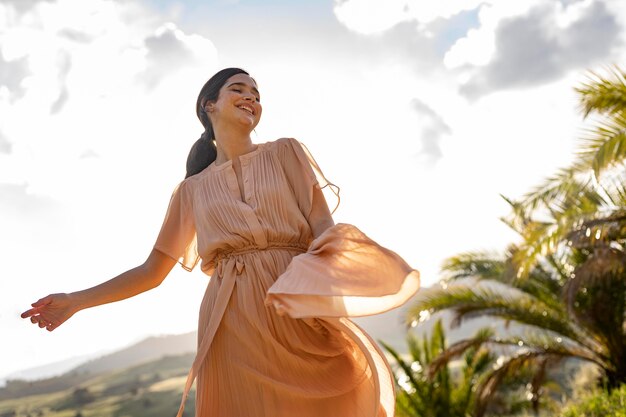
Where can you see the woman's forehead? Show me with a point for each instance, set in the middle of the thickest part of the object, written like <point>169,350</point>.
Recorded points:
<point>241,78</point>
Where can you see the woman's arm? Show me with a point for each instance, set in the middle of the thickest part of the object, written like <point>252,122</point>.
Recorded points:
<point>53,310</point>
<point>320,218</point>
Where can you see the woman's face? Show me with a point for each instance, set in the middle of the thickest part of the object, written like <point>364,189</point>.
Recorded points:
<point>238,102</point>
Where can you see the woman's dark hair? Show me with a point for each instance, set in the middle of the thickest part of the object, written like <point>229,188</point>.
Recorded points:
<point>204,151</point>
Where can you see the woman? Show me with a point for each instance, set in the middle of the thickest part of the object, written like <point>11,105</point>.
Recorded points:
<point>273,337</point>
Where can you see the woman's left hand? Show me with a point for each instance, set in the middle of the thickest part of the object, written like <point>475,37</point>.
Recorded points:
<point>51,311</point>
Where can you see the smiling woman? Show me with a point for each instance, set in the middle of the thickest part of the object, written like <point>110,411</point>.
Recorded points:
<point>273,334</point>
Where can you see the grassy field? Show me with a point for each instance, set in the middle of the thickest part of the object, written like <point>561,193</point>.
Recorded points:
<point>150,390</point>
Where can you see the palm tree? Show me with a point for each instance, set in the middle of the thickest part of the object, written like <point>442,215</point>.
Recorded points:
<point>436,393</point>
<point>565,282</point>
<point>592,188</point>
<point>430,387</point>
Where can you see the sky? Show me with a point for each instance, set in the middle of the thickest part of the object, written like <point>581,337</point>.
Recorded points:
<point>423,112</point>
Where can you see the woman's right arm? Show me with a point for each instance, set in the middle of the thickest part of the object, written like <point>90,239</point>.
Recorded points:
<point>53,310</point>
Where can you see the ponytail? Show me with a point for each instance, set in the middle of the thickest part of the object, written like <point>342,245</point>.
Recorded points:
<point>201,155</point>
<point>204,151</point>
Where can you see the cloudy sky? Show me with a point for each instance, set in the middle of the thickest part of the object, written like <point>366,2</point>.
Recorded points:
<point>422,111</point>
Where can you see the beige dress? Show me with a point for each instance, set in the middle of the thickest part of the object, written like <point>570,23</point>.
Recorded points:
<point>273,335</point>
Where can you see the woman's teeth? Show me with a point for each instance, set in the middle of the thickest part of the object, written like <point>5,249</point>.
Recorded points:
<point>249,110</point>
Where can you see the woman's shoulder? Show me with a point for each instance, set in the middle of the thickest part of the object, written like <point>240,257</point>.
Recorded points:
<point>279,142</point>
<point>189,184</point>
<point>283,145</point>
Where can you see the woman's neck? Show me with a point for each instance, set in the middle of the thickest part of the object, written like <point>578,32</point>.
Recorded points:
<point>232,144</point>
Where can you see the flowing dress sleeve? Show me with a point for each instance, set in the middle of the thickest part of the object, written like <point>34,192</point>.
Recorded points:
<point>303,174</point>
<point>177,238</point>
<point>343,273</point>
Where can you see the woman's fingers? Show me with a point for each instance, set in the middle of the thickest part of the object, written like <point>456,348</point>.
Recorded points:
<point>39,321</point>
<point>50,311</point>
<point>42,301</point>
<point>36,306</point>
<point>29,313</point>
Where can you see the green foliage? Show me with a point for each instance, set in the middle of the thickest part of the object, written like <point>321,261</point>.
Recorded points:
<point>150,390</point>
<point>156,404</point>
<point>604,93</point>
<point>429,386</point>
<point>78,398</point>
<point>20,388</point>
<point>599,404</point>
<point>565,281</point>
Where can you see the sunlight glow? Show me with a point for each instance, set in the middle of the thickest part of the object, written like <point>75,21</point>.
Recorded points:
<point>424,315</point>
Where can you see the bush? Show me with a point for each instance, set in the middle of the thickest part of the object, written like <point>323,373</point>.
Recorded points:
<point>83,396</point>
<point>599,404</point>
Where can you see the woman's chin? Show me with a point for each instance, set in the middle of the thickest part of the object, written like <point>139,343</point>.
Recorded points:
<point>248,121</point>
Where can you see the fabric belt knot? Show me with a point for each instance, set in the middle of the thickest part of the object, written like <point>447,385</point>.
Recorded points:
<point>228,264</point>
<point>239,265</point>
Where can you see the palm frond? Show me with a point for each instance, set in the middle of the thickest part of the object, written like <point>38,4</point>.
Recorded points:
<point>540,239</point>
<point>562,186</point>
<point>506,366</point>
<point>468,302</point>
<point>545,238</point>
<point>604,145</point>
<point>603,93</point>
<point>616,190</point>
<point>542,286</point>
<point>554,344</point>
<point>604,264</point>
<point>480,265</point>
<point>482,336</point>
<point>414,401</point>
<point>602,230</point>
<point>539,379</point>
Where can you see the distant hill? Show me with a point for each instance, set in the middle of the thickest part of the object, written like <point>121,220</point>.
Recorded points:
<point>50,370</point>
<point>152,389</point>
<point>145,351</point>
<point>148,350</point>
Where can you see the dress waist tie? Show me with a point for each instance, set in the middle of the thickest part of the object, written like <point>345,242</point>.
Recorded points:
<point>229,265</point>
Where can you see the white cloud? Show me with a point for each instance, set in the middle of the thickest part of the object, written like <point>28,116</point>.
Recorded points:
<point>514,44</point>
<point>12,73</point>
<point>86,81</point>
<point>64,64</point>
<point>371,16</point>
<point>538,43</point>
<point>169,50</point>
<point>374,16</point>
<point>432,129</point>
<point>5,145</point>
<point>478,46</point>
